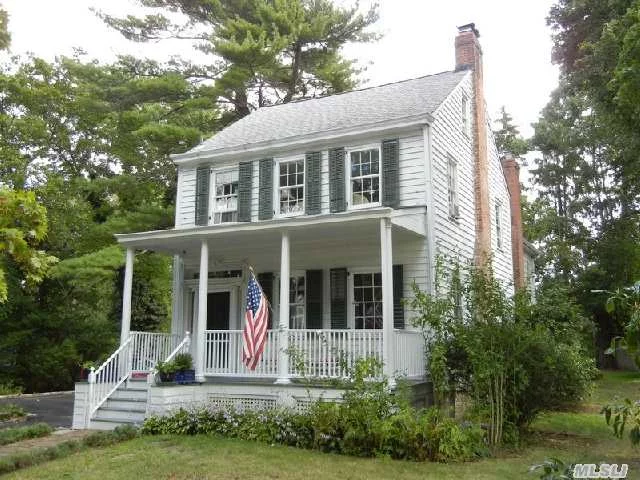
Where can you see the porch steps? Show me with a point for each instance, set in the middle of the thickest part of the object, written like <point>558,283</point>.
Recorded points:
<point>126,406</point>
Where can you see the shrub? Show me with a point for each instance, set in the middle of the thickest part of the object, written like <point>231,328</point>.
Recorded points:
<point>182,362</point>
<point>11,411</point>
<point>12,435</point>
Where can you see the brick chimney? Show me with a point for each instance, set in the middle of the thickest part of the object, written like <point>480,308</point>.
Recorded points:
<point>512,176</point>
<point>469,56</point>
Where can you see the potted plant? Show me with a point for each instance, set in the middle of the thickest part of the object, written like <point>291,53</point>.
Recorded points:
<point>166,371</point>
<point>85,368</point>
<point>184,368</point>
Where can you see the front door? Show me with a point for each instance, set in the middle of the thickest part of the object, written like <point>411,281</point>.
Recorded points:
<point>218,309</point>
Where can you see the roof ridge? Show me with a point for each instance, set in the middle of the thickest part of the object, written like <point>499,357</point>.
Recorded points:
<point>301,100</point>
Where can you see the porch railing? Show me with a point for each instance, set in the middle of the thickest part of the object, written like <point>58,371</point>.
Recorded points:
<point>149,348</point>
<point>330,353</point>
<point>409,353</point>
<point>223,354</point>
<point>108,377</point>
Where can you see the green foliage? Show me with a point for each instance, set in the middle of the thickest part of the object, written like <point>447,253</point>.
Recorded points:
<point>11,411</point>
<point>508,138</point>
<point>9,388</point>
<point>12,435</point>
<point>23,225</point>
<point>552,469</point>
<point>369,421</point>
<point>183,361</point>
<point>32,457</point>
<point>5,36</point>
<point>266,51</point>
<point>624,415</point>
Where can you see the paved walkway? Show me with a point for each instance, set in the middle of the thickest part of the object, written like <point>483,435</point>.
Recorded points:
<point>56,438</point>
<point>56,409</point>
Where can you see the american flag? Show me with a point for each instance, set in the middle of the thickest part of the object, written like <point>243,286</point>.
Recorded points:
<point>256,321</point>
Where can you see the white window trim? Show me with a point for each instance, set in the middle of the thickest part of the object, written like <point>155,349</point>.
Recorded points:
<point>348,185</point>
<point>456,203</point>
<point>465,110</point>
<point>351,314</point>
<point>276,188</point>
<point>212,193</point>
<point>499,225</point>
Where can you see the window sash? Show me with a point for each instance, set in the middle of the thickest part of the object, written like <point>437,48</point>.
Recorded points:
<point>297,301</point>
<point>452,181</point>
<point>291,179</point>
<point>225,196</point>
<point>364,177</point>
<point>498,211</point>
<point>367,301</point>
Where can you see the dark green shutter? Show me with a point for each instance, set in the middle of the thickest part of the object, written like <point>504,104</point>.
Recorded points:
<point>338,281</point>
<point>391,173</point>
<point>202,195</point>
<point>398,291</point>
<point>245,183</point>
<point>314,298</point>
<point>312,187</point>
<point>266,282</point>
<point>265,192</point>
<point>337,197</point>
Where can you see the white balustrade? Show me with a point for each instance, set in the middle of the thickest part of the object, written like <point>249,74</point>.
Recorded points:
<point>223,354</point>
<point>149,348</point>
<point>409,353</point>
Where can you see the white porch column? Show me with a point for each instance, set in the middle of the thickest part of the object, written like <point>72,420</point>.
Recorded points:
<point>283,329</point>
<point>177,297</point>
<point>203,284</point>
<point>386,260</point>
<point>126,295</point>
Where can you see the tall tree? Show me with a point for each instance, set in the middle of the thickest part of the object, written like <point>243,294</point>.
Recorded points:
<point>507,135</point>
<point>5,36</point>
<point>262,51</point>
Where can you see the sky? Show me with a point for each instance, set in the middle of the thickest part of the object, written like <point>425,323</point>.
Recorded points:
<point>418,39</point>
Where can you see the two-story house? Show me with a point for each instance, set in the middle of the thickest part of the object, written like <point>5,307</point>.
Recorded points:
<point>338,204</point>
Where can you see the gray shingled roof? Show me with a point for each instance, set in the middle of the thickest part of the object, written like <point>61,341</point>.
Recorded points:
<point>393,101</point>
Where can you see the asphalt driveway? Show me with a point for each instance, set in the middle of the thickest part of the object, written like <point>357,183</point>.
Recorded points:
<point>55,409</point>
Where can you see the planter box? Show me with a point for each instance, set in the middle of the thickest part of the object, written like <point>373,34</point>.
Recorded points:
<point>185,376</point>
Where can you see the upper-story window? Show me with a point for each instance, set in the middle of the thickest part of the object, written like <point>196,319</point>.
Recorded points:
<point>498,224</point>
<point>291,187</point>
<point>452,186</point>
<point>225,204</point>
<point>365,177</point>
<point>465,113</point>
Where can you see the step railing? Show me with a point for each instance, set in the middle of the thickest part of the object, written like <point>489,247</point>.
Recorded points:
<point>149,348</point>
<point>108,377</point>
<point>183,347</point>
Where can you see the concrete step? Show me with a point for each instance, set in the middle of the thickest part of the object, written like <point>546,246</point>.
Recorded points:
<point>99,424</point>
<point>119,414</point>
<point>127,394</point>
<point>135,405</point>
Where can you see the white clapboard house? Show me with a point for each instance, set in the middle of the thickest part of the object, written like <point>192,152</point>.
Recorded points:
<point>339,204</point>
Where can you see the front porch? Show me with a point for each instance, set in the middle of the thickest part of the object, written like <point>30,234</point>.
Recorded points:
<point>335,289</point>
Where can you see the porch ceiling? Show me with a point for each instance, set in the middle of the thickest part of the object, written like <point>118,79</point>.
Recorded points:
<point>315,241</point>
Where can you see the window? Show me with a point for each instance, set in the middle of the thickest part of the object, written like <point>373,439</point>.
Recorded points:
<point>499,224</point>
<point>225,205</point>
<point>297,302</point>
<point>452,183</point>
<point>291,187</point>
<point>464,111</point>
<point>367,300</point>
<point>365,177</point>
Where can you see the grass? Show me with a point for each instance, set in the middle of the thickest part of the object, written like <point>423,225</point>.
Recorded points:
<point>11,411</point>
<point>571,436</point>
<point>12,435</point>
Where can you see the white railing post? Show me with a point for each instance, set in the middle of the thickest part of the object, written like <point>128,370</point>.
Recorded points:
<point>283,328</point>
<point>88,403</point>
<point>386,261</point>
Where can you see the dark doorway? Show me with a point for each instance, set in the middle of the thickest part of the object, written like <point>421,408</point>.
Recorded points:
<point>218,304</point>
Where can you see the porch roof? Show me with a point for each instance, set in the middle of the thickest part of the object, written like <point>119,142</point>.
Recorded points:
<point>241,241</point>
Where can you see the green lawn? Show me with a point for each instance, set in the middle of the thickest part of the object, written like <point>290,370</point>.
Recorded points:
<point>570,436</point>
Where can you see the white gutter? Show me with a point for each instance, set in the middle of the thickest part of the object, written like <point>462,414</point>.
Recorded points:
<point>267,147</point>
